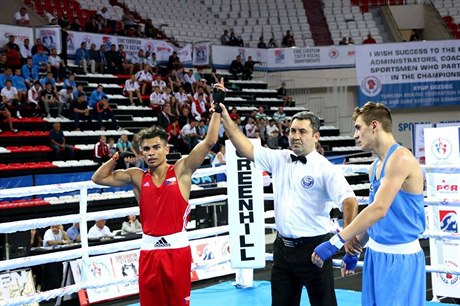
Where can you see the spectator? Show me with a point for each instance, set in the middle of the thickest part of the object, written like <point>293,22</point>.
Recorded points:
<point>164,117</point>
<point>25,51</point>
<point>250,128</point>
<point>369,40</point>
<point>79,91</point>
<point>190,81</point>
<point>224,38</point>
<point>55,235</point>
<point>185,116</point>
<point>22,17</point>
<point>261,114</point>
<point>283,140</point>
<point>29,72</point>
<point>104,111</point>
<point>63,21</point>
<point>20,84</point>
<point>92,25</point>
<point>261,44</point>
<point>174,106</point>
<point>272,43</point>
<point>49,99</point>
<point>235,41</point>
<point>101,151</point>
<point>343,42</point>
<point>38,45</point>
<point>82,59</point>
<point>96,96</point>
<point>248,68</point>
<point>158,82</point>
<point>145,78</point>
<point>65,97</point>
<point>75,25</point>
<point>350,41</point>
<point>48,78</point>
<point>74,232</point>
<point>4,112</point>
<point>70,82</point>
<point>156,99</point>
<point>99,230</point>
<point>236,67</point>
<point>174,137</point>
<point>414,36</point>
<point>279,117</point>
<point>58,143</point>
<point>79,110</point>
<point>40,60</point>
<point>10,98</point>
<point>125,64</point>
<point>152,61</point>
<point>124,145</point>
<point>198,107</point>
<point>219,159</point>
<point>98,57</point>
<point>174,61</point>
<point>113,59</point>
<point>234,113</point>
<point>131,225</point>
<point>57,65</point>
<point>13,57</point>
<point>33,98</point>
<point>141,60</point>
<point>288,40</point>
<point>190,134</point>
<point>131,88</point>
<point>282,94</point>
<point>272,134</point>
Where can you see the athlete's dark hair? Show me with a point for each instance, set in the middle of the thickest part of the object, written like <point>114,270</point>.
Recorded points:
<point>152,132</point>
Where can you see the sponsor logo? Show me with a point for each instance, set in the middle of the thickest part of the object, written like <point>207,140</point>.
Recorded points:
<point>280,56</point>
<point>334,53</point>
<point>445,187</point>
<point>371,86</point>
<point>441,148</point>
<point>307,182</point>
<point>146,184</point>
<point>171,181</point>
<point>447,278</point>
<point>448,221</point>
<point>162,243</point>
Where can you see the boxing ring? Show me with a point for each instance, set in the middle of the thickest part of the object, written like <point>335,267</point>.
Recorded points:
<point>86,251</point>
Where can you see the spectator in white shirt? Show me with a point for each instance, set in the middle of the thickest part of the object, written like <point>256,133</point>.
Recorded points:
<point>55,235</point>
<point>158,82</point>
<point>131,225</point>
<point>156,99</point>
<point>152,61</point>
<point>144,77</point>
<point>22,17</point>
<point>198,107</point>
<point>65,97</point>
<point>34,94</point>
<point>190,134</point>
<point>57,65</point>
<point>132,87</point>
<point>99,230</point>
<point>250,128</point>
<point>10,98</point>
<point>25,50</point>
<point>190,80</point>
<point>183,98</point>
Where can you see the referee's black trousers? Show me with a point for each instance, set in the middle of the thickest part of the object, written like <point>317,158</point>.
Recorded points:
<point>293,269</point>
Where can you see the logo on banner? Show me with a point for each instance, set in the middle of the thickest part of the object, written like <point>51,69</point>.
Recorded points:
<point>201,53</point>
<point>307,182</point>
<point>70,42</point>
<point>334,53</point>
<point>447,278</point>
<point>448,221</point>
<point>371,86</point>
<point>99,270</point>
<point>107,41</point>
<point>441,148</point>
<point>242,54</point>
<point>280,56</point>
<point>148,48</point>
<point>445,188</point>
<point>87,39</point>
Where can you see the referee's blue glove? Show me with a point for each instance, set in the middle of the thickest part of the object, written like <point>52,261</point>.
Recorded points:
<point>349,263</point>
<point>326,249</point>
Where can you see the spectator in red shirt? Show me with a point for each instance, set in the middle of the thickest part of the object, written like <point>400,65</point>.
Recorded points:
<point>104,111</point>
<point>101,151</point>
<point>369,40</point>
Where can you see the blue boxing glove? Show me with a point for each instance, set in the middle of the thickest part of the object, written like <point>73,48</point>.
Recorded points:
<point>326,249</point>
<point>349,263</point>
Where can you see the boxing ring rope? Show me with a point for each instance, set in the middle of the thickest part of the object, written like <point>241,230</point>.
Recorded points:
<point>85,250</point>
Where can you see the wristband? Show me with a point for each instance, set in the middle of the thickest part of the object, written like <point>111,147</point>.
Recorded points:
<point>337,241</point>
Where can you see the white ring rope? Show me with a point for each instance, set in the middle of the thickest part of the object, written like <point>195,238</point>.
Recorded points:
<point>11,227</point>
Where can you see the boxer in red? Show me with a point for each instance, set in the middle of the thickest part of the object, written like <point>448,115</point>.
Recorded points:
<point>162,192</point>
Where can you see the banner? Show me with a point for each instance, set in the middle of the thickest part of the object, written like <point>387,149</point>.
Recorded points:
<point>210,251</point>
<point>201,54</point>
<point>409,75</point>
<point>20,33</point>
<point>442,149</point>
<point>50,36</point>
<point>287,58</point>
<point>418,141</point>
<point>16,284</point>
<point>245,209</point>
<point>132,45</point>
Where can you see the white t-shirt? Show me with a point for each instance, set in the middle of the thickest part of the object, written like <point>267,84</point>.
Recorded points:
<point>9,94</point>
<point>17,16</point>
<point>161,84</point>
<point>182,98</point>
<point>304,194</point>
<point>49,235</point>
<point>156,99</point>
<point>131,86</point>
<point>188,129</point>
<point>54,60</point>
<point>143,76</point>
<point>96,233</point>
<point>64,97</point>
<point>271,129</point>
<point>33,95</point>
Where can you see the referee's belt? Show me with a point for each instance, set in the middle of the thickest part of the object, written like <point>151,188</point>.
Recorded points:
<point>297,242</point>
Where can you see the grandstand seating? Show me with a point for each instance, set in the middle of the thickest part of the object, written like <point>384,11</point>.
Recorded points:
<point>450,13</point>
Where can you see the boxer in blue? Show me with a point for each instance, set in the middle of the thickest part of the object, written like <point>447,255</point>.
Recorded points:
<point>394,264</point>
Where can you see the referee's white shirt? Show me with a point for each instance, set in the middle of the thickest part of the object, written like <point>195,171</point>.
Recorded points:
<point>304,194</point>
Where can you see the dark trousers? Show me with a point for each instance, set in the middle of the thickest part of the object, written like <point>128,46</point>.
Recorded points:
<point>292,270</point>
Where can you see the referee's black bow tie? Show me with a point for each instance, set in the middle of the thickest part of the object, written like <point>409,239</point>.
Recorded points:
<point>301,159</point>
